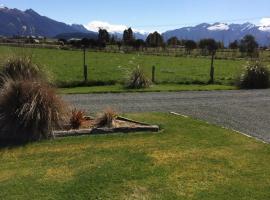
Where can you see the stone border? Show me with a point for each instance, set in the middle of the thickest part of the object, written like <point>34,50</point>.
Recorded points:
<point>142,127</point>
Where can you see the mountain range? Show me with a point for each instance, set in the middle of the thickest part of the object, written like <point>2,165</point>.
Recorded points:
<point>29,22</point>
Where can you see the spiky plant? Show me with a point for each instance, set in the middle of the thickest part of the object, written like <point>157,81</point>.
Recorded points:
<point>106,118</point>
<point>76,119</point>
<point>138,79</point>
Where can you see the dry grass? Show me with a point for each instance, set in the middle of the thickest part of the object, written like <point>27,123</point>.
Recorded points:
<point>137,79</point>
<point>29,110</point>
<point>106,118</point>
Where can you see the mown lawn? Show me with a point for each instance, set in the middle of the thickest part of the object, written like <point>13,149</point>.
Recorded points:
<point>66,66</point>
<point>188,160</point>
<point>154,88</point>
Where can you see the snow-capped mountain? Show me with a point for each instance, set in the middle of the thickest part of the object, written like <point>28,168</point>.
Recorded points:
<point>222,32</point>
<point>29,22</point>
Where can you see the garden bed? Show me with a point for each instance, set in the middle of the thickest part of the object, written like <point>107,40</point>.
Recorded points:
<point>120,124</point>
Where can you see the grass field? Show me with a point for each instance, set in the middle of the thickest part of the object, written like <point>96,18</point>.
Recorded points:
<point>155,88</point>
<point>188,160</point>
<point>66,66</point>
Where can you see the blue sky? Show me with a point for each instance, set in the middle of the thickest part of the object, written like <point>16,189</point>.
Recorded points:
<point>147,14</point>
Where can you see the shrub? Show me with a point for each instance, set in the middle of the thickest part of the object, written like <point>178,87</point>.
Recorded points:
<point>29,110</point>
<point>106,118</point>
<point>21,68</point>
<point>76,118</point>
<point>138,79</point>
<point>254,76</point>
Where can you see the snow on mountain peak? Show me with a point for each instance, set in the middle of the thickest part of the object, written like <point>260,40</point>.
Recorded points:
<point>265,25</point>
<point>219,27</point>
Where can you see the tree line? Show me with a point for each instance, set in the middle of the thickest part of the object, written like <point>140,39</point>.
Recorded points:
<point>246,45</point>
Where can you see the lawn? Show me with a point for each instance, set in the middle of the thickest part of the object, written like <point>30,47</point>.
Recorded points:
<point>155,88</point>
<point>66,66</point>
<point>188,160</point>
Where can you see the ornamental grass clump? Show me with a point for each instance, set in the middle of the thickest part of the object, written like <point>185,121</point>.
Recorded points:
<point>106,118</point>
<point>138,79</point>
<point>254,76</point>
<point>29,106</point>
<point>76,119</point>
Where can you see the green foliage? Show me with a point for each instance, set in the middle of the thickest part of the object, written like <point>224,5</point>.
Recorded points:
<point>173,41</point>
<point>190,45</point>
<point>154,40</point>
<point>137,79</point>
<point>249,46</point>
<point>208,44</point>
<point>254,76</point>
<point>128,37</point>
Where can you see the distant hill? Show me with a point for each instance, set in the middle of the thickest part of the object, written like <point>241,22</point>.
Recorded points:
<point>221,32</point>
<point>29,22</point>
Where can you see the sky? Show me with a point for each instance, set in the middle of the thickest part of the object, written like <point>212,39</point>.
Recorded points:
<point>147,15</point>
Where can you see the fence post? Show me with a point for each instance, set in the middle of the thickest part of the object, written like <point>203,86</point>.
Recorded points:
<point>84,65</point>
<point>153,74</point>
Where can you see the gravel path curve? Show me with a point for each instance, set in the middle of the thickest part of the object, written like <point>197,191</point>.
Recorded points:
<point>247,111</point>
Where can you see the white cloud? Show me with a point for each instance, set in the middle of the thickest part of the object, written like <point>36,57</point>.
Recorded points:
<point>219,27</point>
<point>2,6</point>
<point>265,24</point>
<point>112,28</point>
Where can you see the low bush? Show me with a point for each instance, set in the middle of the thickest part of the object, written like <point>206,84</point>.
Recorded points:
<point>137,79</point>
<point>106,118</point>
<point>76,119</point>
<point>254,76</point>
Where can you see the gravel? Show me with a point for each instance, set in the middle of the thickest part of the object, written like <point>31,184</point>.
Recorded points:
<point>247,111</point>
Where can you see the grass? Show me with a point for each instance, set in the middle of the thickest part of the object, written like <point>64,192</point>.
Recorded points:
<point>66,66</point>
<point>155,88</point>
<point>188,160</point>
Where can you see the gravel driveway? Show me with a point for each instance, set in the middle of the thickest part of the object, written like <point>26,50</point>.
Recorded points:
<point>246,111</point>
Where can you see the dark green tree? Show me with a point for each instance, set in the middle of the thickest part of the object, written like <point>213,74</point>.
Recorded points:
<point>173,41</point>
<point>103,37</point>
<point>190,45</point>
<point>234,45</point>
<point>249,46</point>
<point>154,40</point>
<point>128,37</point>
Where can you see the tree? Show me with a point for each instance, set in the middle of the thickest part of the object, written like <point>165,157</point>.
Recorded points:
<point>103,37</point>
<point>190,45</point>
<point>154,40</point>
<point>234,45</point>
<point>128,37</point>
<point>249,45</point>
<point>211,46</point>
<point>173,41</point>
<point>137,44</point>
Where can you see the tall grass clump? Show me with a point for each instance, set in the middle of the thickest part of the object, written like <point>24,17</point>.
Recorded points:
<point>138,79</point>
<point>29,106</point>
<point>254,76</point>
<point>22,68</point>
<point>106,118</point>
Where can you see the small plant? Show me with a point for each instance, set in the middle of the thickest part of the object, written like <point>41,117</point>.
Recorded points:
<point>254,76</point>
<point>138,79</point>
<point>76,118</point>
<point>106,118</point>
<point>29,110</point>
